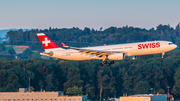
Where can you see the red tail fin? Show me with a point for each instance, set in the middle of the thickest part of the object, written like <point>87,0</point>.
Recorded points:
<point>46,42</point>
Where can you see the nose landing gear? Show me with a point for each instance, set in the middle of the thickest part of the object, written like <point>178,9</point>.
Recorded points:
<point>163,55</point>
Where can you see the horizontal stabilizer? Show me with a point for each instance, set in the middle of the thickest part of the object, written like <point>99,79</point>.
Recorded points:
<point>45,53</point>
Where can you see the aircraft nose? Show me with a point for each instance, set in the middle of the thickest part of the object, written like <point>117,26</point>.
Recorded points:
<point>175,45</point>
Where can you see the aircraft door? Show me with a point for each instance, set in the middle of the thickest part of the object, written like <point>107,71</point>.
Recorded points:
<point>135,47</point>
<point>162,45</point>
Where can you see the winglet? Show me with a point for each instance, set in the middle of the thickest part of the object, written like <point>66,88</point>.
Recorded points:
<point>64,45</point>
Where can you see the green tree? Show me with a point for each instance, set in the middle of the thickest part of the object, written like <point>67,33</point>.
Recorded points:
<point>127,82</point>
<point>2,47</point>
<point>142,87</point>
<point>161,91</point>
<point>36,55</point>
<point>73,78</point>
<point>51,82</point>
<point>103,81</point>
<point>176,87</point>
<point>11,51</point>
<point>26,53</point>
<point>74,91</point>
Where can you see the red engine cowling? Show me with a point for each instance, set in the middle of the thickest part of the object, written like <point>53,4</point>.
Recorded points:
<point>116,56</point>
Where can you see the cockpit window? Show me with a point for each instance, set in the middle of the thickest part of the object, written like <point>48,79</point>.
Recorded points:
<point>170,43</point>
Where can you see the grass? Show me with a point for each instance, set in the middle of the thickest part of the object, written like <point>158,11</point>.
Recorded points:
<point>18,49</point>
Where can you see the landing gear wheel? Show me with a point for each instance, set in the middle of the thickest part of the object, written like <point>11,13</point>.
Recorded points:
<point>100,64</point>
<point>108,64</point>
<point>112,62</point>
<point>104,62</point>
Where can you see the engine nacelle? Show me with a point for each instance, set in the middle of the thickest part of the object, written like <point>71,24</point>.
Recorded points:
<point>116,56</point>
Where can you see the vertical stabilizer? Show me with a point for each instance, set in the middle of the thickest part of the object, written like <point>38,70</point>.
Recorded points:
<point>47,43</point>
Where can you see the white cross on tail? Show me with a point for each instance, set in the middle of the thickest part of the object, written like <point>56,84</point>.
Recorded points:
<point>46,42</point>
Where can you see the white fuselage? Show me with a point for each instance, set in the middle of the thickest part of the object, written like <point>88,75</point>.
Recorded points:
<point>131,49</point>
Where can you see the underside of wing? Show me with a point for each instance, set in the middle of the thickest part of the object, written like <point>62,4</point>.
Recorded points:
<point>102,54</point>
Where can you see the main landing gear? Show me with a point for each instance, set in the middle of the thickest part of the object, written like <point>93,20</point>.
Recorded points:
<point>105,62</point>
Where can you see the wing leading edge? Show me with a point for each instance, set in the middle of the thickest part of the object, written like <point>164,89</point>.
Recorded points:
<point>93,53</point>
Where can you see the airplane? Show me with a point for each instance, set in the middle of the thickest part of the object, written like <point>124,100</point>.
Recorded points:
<point>106,52</point>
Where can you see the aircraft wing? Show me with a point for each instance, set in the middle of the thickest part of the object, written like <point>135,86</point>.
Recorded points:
<point>93,53</point>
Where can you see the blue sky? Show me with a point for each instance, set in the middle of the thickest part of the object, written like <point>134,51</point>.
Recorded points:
<point>88,13</point>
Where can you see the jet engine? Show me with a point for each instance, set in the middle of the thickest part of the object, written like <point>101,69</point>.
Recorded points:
<point>116,56</point>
